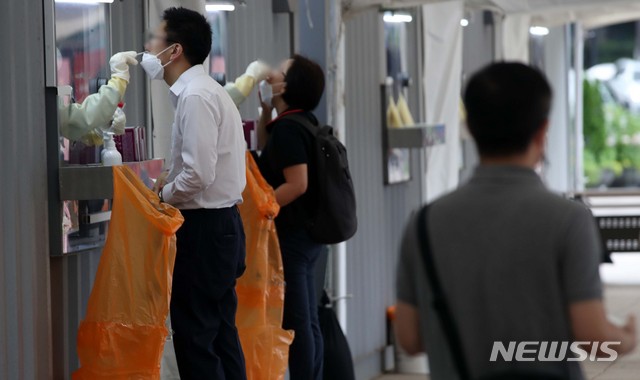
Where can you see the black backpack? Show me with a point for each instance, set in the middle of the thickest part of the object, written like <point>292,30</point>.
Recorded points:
<point>334,218</point>
<point>337,360</point>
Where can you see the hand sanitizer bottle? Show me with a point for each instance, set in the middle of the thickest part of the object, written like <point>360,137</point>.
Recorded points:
<point>110,155</point>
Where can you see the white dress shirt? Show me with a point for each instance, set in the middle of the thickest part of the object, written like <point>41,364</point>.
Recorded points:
<point>207,167</point>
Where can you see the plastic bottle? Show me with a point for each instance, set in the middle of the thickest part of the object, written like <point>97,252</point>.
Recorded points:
<point>119,112</point>
<point>110,155</point>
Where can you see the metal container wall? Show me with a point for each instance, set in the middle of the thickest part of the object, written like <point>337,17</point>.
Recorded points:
<point>382,210</point>
<point>25,329</point>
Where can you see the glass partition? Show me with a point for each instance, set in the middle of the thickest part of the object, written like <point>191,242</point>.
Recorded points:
<point>82,51</point>
<point>398,160</point>
<point>217,62</point>
<point>82,42</point>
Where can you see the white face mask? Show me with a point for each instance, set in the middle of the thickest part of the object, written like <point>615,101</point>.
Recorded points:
<point>266,92</point>
<point>152,65</point>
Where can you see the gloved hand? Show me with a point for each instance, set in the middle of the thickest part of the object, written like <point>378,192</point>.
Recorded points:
<point>119,122</point>
<point>120,64</point>
<point>93,138</point>
<point>258,69</point>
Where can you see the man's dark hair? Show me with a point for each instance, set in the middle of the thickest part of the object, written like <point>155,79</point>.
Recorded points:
<point>305,84</point>
<point>507,103</point>
<point>191,30</point>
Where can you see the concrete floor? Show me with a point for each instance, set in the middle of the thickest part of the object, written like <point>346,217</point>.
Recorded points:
<point>621,300</point>
<point>622,297</point>
<point>403,377</point>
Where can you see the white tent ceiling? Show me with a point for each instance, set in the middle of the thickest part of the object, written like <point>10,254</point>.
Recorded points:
<point>592,13</point>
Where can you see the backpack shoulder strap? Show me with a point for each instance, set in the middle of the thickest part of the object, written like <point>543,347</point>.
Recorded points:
<point>308,125</point>
<point>440,303</point>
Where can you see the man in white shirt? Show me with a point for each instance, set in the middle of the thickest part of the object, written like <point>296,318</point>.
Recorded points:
<point>205,181</point>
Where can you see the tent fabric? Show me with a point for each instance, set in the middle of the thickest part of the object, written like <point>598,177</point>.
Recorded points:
<point>515,38</point>
<point>591,13</point>
<point>594,17</point>
<point>442,82</point>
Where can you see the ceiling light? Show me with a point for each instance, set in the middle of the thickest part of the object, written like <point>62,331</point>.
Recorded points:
<point>464,22</point>
<point>84,1</point>
<point>397,17</point>
<point>539,30</point>
<point>220,7</point>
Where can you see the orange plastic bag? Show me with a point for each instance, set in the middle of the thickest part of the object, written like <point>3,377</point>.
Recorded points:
<point>261,289</point>
<point>123,333</point>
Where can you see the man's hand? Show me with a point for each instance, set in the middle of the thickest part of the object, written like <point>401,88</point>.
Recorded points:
<point>630,333</point>
<point>160,181</point>
<point>276,89</point>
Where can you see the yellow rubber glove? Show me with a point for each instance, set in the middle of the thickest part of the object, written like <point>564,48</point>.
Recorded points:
<point>241,88</point>
<point>120,62</point>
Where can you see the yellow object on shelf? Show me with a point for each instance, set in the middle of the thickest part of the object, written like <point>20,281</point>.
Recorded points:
<point>405,114</point>
<point>393,116</point>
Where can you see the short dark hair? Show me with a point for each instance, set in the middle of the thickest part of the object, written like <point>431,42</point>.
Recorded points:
<point>305,83</point>
<point>507,103</point>
<point>191,30</point>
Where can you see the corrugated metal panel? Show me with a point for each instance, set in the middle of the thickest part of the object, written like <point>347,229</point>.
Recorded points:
<point>255,32</point>
<point>71,282</point>
<point>25,341</point>
<point>414,66</point>
<point>312,42</point>
<point>382,210</point>
<point>478,51</point>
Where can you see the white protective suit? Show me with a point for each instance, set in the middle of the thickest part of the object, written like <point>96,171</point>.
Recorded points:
<point>84,121</point>
<point>241,88</point>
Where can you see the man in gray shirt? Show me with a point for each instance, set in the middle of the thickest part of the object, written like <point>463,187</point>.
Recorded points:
<point>516,262</point>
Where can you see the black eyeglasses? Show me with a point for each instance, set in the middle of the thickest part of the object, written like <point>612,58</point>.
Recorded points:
<point>153,36</point>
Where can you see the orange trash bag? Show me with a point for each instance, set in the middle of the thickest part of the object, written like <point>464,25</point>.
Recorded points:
<point>123,333</point>
<point>261,288</point>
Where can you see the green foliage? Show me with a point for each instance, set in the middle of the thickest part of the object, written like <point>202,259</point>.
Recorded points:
<point>592,168</point>
<point>625,127</point>
<point>611,135</point>
<point>595,134</point>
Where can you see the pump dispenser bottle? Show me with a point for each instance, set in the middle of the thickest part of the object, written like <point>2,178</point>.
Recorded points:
<point>110,155</point>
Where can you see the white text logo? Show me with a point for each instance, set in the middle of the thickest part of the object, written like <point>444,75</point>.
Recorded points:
<point>554,351</point>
